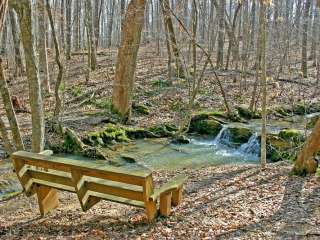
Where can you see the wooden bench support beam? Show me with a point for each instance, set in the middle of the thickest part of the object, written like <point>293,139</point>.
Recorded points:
<point>165,204</point>
<point>151,210</point>
<point>48,199</point>
<point>177,197</point>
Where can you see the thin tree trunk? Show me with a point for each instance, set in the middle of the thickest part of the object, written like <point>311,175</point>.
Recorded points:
<point>304,64</point>
<point>91,43</point>
<point>172,37</point>
<point>221,14</point>
<point>262,46</point>
<point>19,69</point>
<point>60,76</point>
<point>69,29</point>
<point>43,56</point>
<point>110,24</point>
<point>6,98</point>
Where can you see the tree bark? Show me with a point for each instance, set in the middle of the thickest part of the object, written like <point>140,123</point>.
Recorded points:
<point>69,29</point>
<point>221,32</point>
<point>19,69</point>
<point>127,58</point>
<point>23,9</point>
<point>304,64</point>
<point>262,46</point>
<point>305,163</point>
<point>90,32</point>
<point>42,46</point>
<point>6,98</point>
<point>60,76</point>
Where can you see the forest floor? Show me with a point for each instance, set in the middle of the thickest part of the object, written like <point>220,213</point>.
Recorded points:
<point>224,202</point>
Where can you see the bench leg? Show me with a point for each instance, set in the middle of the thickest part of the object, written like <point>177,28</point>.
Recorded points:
<point>151,210</point>
<point>165,204</point>
<point>47,199</point>
<point>177,197</point>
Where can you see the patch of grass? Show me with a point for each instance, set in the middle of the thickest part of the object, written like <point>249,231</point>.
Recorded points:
<point>76,91</point>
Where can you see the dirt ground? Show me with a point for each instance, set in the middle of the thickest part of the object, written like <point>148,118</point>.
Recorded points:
<point>225,202</point>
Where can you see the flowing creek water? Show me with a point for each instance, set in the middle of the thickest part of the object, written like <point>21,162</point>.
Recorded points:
<point>157,154</point>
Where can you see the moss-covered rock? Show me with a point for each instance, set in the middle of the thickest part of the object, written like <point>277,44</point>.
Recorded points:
<point>279,149</point>
<point>180,140</point>
<point>246,113</point>
<point>280,111</point>
<point>291,135</point>
<point>140,109</point>
<point>111,133</point>
<point>312,121</point>
<point>205,126</point>
<point>239,136</point>
<point>163,130</point>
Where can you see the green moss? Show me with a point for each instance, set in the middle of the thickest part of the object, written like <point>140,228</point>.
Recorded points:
<point>246,113</point>
<point>291,135</point>
<point>279,149</point>
<point>205,126</point>
<point>141,109</point>
<point>76,91</point>
<point>312,121</point>
<point>103,103</point>
<point>162,131</point>
<point>161,83</point>
<point>239,135</point>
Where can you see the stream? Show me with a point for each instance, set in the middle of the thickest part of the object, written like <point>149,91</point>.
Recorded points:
<point>160,154</point>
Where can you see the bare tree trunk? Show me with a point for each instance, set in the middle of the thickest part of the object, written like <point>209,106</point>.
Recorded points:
<point>23,9</point>
<point>91,43</point>
<point>5,137</point>
<point>60,76</point>
<point>110,23</point>
<point>69,29</point>
<point>304,64</point>
<point>19,69</point>
<point>305,163</point>
<point>6,98</point>
<point>262,46</point>
<point>221,13</point>
<point>77,16</point>
<point>172,37</point>
<point>127,58</point>
<point>43,56</point>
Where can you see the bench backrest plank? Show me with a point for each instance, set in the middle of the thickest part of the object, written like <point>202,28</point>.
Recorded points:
<point>88,169</point>
<point>81,177</point>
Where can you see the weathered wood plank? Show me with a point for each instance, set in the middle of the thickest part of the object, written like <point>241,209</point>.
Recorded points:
<point>48,199</point>
<point>170,186</point>
<point>150,205</point>
<point>88,169</point>
<point>116,199</point>
<point>165,204</point>
<point>116,191</point>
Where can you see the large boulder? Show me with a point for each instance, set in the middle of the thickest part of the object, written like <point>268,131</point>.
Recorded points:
<point>209,127</point>
<point>246,113</point>
<point>293,135</point>
<point>312,121</point>
<point>238,136</point>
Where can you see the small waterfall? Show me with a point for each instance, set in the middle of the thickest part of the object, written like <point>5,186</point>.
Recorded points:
<point>252,147</point>
<point>223,137</point>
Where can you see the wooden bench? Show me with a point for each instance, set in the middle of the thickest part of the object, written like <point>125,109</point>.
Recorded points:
<point>43,175</point>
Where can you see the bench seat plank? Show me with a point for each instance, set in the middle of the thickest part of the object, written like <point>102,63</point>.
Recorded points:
<point>170,186</point>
